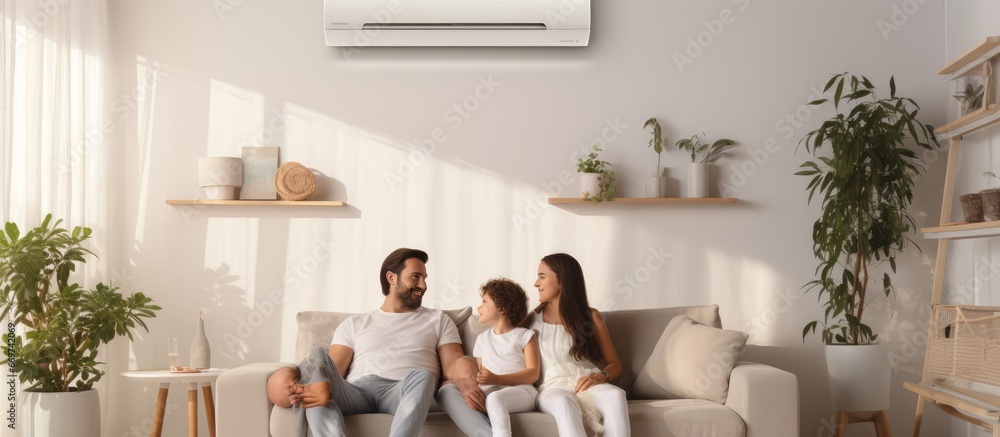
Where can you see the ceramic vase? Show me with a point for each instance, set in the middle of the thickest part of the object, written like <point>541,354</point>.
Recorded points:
<point>59,414</point>
<point>201,353</point>
<point>859,376</point>
<point>697,180</point>
<point>656,183</point>
<point>590,185</point>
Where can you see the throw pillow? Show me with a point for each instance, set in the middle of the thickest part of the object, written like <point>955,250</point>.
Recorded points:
<point>690,361</point>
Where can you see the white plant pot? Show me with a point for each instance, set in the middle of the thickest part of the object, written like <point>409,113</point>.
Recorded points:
<point>859,376</point>
<point>697,183</point>
<point>656,184</point>
<point>220,177</point>
<point>590,184</point>
<point>59,414</point>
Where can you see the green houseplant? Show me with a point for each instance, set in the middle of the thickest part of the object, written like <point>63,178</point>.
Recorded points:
<point>64,323</point>
<point>597,177</point>
<point>698,170</point>
<point>656,183</point>
<point>864,174</point>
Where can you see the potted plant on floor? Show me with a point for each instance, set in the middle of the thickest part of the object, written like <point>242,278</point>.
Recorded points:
<point>597,177</point>
<point>698,170</point>
<point>656,183</point>
<point>864,173</point>
<point>64,324</point>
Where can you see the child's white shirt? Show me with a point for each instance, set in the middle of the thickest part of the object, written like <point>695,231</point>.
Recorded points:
<point>503,353</point>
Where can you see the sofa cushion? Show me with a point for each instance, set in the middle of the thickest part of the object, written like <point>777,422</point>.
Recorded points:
<point>635,333</point>
<point>316,328</point>
<point>667,418</point>
<point>690,361</point>
<point>469,331</point>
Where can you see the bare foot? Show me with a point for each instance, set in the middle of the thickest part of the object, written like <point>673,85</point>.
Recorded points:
<point>315,394</point>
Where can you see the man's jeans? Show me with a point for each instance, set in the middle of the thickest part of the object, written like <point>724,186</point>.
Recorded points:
<point>408,400</point>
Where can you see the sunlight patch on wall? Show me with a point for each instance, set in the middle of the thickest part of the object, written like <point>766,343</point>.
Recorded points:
<point>231,252</point>
<point>754,291</point>
<point>236,118</point>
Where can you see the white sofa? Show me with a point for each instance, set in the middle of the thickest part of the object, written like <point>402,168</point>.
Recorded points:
<point>762,400</point>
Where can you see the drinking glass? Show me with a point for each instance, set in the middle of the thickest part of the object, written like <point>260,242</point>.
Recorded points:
<point>173,353</point>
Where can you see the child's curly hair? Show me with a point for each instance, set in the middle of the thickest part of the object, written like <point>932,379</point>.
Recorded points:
<point>510,298</point>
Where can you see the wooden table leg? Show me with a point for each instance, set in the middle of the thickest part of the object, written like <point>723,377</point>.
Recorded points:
<point>193,410</point>
<point>841,423</point>
<point>159,410</point>
<point>882,428</point>
<point>206,392</point>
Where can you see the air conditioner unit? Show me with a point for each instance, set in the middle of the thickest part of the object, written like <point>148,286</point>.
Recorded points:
<point>366,23</point>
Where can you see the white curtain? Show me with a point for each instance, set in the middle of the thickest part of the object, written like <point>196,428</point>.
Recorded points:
<point>54,120</point>
<point>54,125</point>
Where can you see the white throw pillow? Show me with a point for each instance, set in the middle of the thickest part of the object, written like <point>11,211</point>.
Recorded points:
<point>690,361</point>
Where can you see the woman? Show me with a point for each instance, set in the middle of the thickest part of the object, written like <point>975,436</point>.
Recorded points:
<point>578,358</point>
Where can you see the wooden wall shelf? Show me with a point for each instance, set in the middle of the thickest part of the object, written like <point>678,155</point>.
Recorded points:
<point>643,200</point>
<point>962,230</point>
<point>257,202</point>
<point>981,51</point>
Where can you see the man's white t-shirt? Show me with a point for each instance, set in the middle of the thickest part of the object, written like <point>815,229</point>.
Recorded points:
<point>503,353</point>
<point>391,345</point>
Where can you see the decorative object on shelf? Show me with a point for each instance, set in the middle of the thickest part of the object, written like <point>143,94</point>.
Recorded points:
<point>991,203</point>
<point>978,108</point>
<point>972,207</point>
<point>698,170</point>
<point>61,319</point>
<point>656,183</point>
<point>259,166</point>
<point>294,181</point>
<point>597,177</point>
<point>865,175</point>
<point>201,352</point>
<point>220,177</point>
<point>970,99</point>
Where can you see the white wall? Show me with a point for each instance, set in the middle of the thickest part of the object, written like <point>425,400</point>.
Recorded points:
<point>259,74</point>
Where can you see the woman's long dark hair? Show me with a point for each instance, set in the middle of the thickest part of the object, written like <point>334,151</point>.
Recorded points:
<point>574,307</point>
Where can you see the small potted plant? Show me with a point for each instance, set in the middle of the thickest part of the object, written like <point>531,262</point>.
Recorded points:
<point>597,177</point>
<point>970,98</point>
<point>698,170</point>
<point>656,183</point>
<point>64,324</point>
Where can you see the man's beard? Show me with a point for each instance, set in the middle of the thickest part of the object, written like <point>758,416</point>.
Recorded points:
<point>405,296</point>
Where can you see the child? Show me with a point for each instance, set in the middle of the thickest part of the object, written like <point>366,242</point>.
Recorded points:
<point>574,340</point>
<point>508,356</point>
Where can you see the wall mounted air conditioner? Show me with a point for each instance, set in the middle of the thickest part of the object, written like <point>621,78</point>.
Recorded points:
<point>365,23</point>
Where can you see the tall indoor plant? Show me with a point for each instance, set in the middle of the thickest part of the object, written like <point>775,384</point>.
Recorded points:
<point>64,324</point>
<point>864,173</point>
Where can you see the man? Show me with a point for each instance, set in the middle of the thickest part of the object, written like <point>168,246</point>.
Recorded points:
<point>388,360</point>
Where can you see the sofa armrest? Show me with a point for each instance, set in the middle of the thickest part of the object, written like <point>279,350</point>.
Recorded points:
<point>241,405</point>
<point>767,398</point>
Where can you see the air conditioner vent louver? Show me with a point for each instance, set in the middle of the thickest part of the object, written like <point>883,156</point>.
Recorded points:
<point>453,26</point>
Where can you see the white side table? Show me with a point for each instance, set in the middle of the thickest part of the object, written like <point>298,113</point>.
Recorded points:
<point>205,378</point>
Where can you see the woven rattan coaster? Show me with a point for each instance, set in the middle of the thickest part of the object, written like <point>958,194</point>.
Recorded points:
<point>293,181</point>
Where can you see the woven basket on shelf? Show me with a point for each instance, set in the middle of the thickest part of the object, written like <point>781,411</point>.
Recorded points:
<point>294,181</point>
<point>964,344</point>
